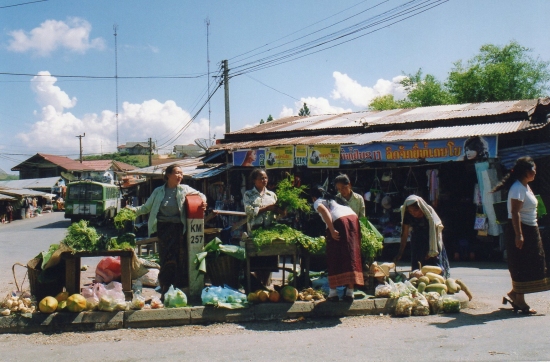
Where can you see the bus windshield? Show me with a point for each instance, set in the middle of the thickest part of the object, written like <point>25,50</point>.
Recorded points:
<point>85,192</point>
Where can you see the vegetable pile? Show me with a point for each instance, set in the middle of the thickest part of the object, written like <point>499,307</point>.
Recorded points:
<point>123,216</point>
<point>371,244</point>
<point>289,197</point>
<point>81,237</point>
<point>262,237</point>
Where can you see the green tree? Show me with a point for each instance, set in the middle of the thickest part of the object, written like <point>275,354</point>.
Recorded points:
<point>269,118</point>
<point>425,91</point>
<point>262,121</point>
<point>499,74</point>
<point>304,111</point>
<point>383,103</point>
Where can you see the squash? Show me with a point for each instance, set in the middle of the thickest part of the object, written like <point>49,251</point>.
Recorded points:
<point>431,269</point>
<point>424,279</point>
<point>413,281</point>
<point>421,287</point>
<point>452,287</point>
<point>465,289</point>
<point>440,288</point>
<point>433,276</point>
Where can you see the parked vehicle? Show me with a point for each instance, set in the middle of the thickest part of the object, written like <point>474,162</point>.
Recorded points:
<point>91,200</point>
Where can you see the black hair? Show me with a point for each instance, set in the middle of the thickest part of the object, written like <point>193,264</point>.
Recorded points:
<point>342,179</point>
<point>255,173</point>
<point>169,170</point>
<point>519,171</point>
<point>319,191</point>
<point>478,144</point>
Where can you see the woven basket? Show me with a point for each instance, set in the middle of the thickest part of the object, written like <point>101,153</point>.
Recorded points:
<point>41,289</point>
<point>223,269</point>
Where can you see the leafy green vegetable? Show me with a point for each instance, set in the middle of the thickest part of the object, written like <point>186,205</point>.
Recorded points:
<point>81,237</point>
<point>371,244</point>
<point>123,216</point>
<point>262,237</point>
<point>288,196</point>
<point>123,242</point>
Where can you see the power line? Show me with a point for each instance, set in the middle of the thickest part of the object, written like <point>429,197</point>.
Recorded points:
<point>27,3</point>
<point>278,91</point>
<point>202,75</point>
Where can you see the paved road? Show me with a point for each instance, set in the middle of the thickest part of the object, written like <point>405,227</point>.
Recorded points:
<point>485,332</point>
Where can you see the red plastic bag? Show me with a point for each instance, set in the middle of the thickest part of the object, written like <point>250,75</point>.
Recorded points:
<point>108,269</point>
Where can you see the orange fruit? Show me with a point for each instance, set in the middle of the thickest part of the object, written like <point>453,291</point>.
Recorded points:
<point>48,305</point>
<point>263,296</point>
<point>274,296</point>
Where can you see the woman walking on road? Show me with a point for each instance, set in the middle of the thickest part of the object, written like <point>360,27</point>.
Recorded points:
<point>525,253</point>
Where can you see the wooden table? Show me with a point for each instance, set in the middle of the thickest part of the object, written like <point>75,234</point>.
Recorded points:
<point>73,261</point>
<point>277,248</point>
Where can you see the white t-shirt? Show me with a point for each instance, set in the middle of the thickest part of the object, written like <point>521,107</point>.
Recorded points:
<point>528,212</point>
<point>336,210</point>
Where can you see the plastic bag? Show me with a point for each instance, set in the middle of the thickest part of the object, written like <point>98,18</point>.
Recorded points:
<point>404,307</point>
<point>108,269</point>
<point>394,290</point>
<point>410,287</point>
<point>156,303</point>
<point>450,304</point>
<point>92,300</point>
<point>434,300</point>
<point>216,295</point>
<point>421,307</point>
<point>151,279</point>
<point>107,304</point>
<point>175,298</point>
<point>383,291</point>
<point>402,289</point>
<point>138,301</point>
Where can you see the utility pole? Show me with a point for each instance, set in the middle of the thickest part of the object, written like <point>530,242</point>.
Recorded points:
<point>80,138</point>
<point>226,89</point>
<point>208,68</point>
<point>150,152</point>
<point>115,27</point>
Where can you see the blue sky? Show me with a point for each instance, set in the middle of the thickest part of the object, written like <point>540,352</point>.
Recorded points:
<point>168,38</point>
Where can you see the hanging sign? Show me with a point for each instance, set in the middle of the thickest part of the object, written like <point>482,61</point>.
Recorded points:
<point>323,156</point>
<point>300,155</point>
<point>476,148</point>
<point>249,158</point>
<point>279,157</point>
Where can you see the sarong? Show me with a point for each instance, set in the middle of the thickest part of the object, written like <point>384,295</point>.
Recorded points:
<point>344,255</point>
<point>172,256</point>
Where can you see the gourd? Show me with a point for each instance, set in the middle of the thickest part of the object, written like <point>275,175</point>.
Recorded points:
<point>465,289</point>
<point>424,279</point>
<point>413,281</point>
<point>451,286</point>
<point>433,276</point>
<point>421,287</point>
<point>431,269</point>
<point>438,287</point>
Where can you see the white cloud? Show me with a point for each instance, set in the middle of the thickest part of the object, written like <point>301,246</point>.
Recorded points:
<point>316,105</point>
<point>56,129</point>
<point>361,96</point>
<point>73,35</point>
<point>48,94</point>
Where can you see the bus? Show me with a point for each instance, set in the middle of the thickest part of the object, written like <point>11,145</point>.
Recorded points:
<point>90,200</point>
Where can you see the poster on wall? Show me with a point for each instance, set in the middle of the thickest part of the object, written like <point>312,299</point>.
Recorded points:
<point>279,157</point>
<point>475,148</point>
<point>249,158</point>
<point>300,155</point>
<point>323,156</point>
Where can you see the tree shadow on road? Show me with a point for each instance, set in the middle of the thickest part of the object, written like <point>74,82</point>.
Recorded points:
<point>466,319</point>
<point>62,224</point>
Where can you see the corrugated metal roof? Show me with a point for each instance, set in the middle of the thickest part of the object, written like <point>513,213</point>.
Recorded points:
<point>7,198</point>
<point>392,136</point>
<point>523,108</point>
<point>33,183</point>
<point>213,171</point>
<point>74,165</point>
<point>189,166</point>
<point>22,192</point>
<point>508,156</point>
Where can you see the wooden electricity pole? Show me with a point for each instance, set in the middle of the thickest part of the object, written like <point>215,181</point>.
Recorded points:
<point>80,138</point>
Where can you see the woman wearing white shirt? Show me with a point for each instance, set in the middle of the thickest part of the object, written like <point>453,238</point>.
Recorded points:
<point>525,253</point>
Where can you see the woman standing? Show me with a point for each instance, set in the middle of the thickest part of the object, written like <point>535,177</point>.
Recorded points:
<point>167,217</point>
<point>343,238</point>
<point>260,208</point>
<point>346,194</point>
<point>421,220</point>
<point>525,253</point>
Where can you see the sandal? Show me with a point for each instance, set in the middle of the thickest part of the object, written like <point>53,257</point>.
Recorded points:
<point>525,310</point>
<point>333,299</point>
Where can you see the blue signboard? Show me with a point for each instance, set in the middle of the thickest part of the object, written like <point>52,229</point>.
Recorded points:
<point>477,148</point>
<point>249,158</point>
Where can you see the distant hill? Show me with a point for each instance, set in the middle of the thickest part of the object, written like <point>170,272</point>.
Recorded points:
<point>5,176</point>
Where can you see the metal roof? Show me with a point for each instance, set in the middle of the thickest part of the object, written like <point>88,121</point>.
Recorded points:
<point>22,192</point>
<point>212,171</point>
<point>391,136</point>
<point>508,156</point>
<point>74,165</point>
<point>7,198</point>
<point>521,110</point>
<point>33,183</point>
<point>189,166</point>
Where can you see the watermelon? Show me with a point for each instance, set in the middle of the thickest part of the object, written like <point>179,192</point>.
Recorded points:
<point>289,294</point>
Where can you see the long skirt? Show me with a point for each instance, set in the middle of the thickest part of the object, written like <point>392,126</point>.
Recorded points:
<point>344,255</point>
<point>527,265</point>
<point>172,256</point>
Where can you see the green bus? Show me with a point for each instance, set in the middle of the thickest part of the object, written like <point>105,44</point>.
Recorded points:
<point>91,200</point>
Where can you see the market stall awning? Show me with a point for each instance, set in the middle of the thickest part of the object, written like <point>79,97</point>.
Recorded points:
<point>213,171</point>
<point>21,192</point>
<point>45,183</point>
<point>508,156</point>
<point>7,198</point>
<point>189,166</point>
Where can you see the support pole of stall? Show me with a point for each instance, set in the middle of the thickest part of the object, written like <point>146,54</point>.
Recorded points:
<point>195,243</point>
<point>226,91</point>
